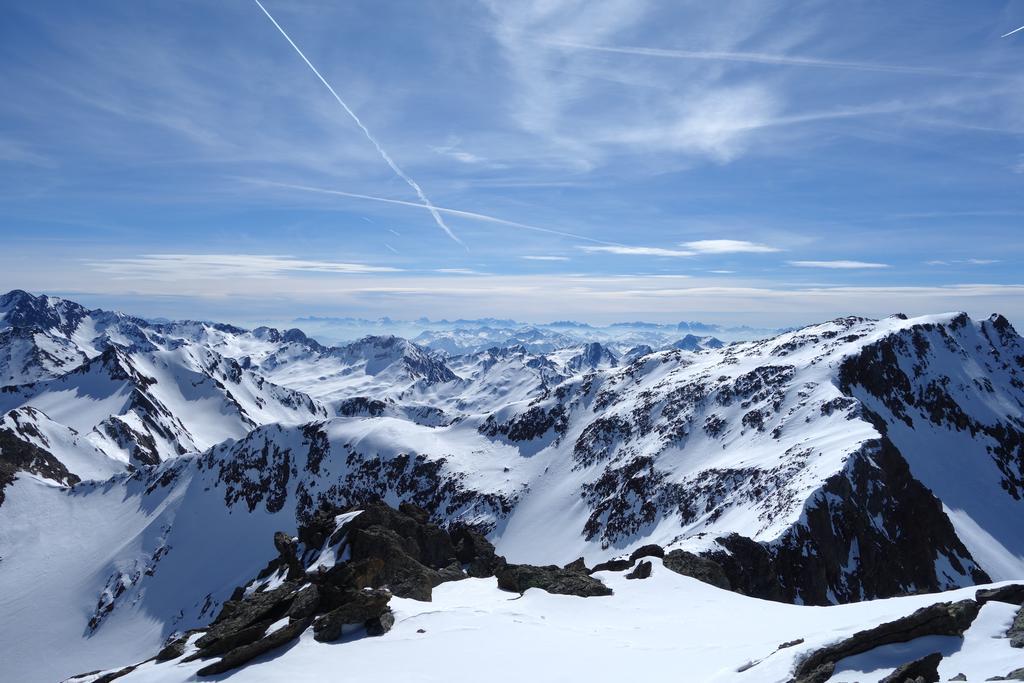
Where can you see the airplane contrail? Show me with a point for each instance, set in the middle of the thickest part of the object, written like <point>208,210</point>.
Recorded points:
<point>366,131</point>
<point>451,212</point>
<point>764,58</point>
<point>1012,32</point>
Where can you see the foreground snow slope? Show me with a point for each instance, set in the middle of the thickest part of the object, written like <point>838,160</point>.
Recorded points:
<point>665,625</point>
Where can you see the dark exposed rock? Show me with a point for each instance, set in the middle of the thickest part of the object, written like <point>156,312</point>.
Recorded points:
<point>697,567</point>
<point>1013,594</point>
<point>305,603</point>
<point>749,567</point>
<point>1015,675</point>
<point>577,565</point>
<point>230,640</point>
<point>810,562</point>
<point>642,571</point>
<point>378,626</point>
<point>359,608</point>
<point>959,677</point>
<point>618,565</point>
<point>245,653</point>
<point>17,455</point>
<point>114,675</point>
<point>475,551</point>
<point>1016,631</point>
<point>553,579</point>
<point>940,619</point>
<point>398,570</point>
<point>173,649</point>
<point>286,548</point>
<point>236,616</point>
<point>423,541</point>
<point>925,669</point>
<point>651,550</point>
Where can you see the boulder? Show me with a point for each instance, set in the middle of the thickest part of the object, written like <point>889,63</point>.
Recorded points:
<point>940,619</point>
<point>697,567</point>
<point>173,649</point>
<point>925,670</point>
<point>553,579</point>
<point>359,608</point>
<point>651,550</point>
<point>378,626</point>
<point>241,655</point>
<point>1013,594</point>
<point>616,565</point>
<point>642,571</point>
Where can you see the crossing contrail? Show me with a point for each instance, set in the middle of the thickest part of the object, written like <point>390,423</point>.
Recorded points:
<point>366,131</point>
<point>472,215</point>
<point>1012,32</point>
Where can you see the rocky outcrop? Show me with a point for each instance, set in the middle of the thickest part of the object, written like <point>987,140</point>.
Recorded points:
<point>553,579</point>
<point>1016,631</point>
<point>923,670</point>
<point>697,567</point>
<point>1013,594</point>
<point>17,455</point>
<point>642,571</point>
<point>811,562</point>
<point>941,619</point>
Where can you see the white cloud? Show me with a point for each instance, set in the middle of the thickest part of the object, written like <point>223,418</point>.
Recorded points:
<point>224,266</point>
<point>970,261</point>
<point>728,247</point>
<point>546,258</point>
<point>638,251</point>
<point>838,265</point>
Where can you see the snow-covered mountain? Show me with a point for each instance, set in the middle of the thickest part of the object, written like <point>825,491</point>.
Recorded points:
<point>849,461</point>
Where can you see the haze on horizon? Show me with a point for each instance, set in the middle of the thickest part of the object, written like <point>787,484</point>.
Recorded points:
<point>624,160</point>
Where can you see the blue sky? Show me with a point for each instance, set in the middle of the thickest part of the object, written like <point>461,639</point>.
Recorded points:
<point>740,162</point>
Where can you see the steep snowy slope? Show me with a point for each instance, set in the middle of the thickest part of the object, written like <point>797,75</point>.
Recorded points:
<point>141,406</point>
<point>760,439</point>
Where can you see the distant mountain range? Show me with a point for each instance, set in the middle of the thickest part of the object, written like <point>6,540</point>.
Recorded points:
<point>145,466</point>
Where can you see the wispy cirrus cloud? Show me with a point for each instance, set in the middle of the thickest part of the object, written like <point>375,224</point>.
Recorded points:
<point>970,261</point>
<point>838,265</point>
<point>531,257</point>
<point>638,251</point>
<point>767,59</point>
<point>224,266</point>
<point>728,247</point>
